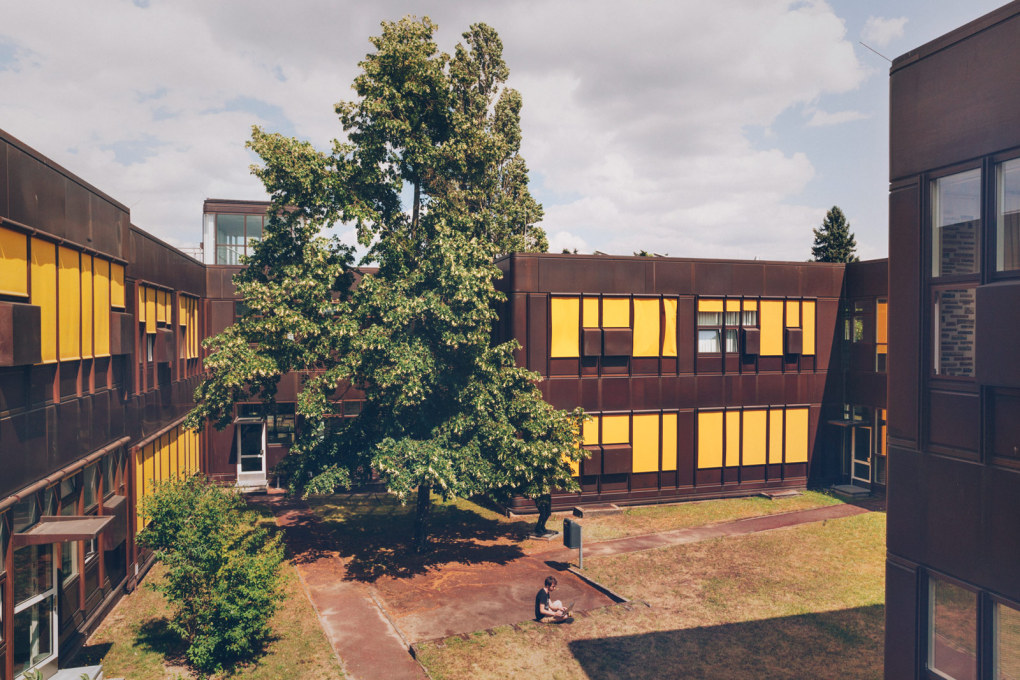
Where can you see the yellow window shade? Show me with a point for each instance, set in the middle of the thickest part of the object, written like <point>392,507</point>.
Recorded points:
<point>175,466</point>
<point>13,263</point>
<point>793,313</point>
<point>733,305</point>
<point>753,436</point>
<point>750,305</point>
<point>164,457</point>
<point>161,306</point>
<point>69,281</point>
<point>575,467</point>
<point>101,307</point>
<point>182,310</point>
<point>646,327</point>
<point>646,440</point>
<point>141,303</point>
<point>732,438</point>
<point>771,323</point>
<point>775,435</point>
<point>796,435</point>
<point>710,439</point>
<point>86,306</point>
<point>590,431</point>
<point>116,285</point>
<point>150,310</point>
<point>882,322</point>
<point>139,477</point>
<point>590,312</point>
<point>566,334</point>
<point>808,307</point>
<point>615,429</point>
<point>616,312</point>
<point>669,327</point>
<point>44,295</point>
<point>710,305</point>
<point>669,449</point>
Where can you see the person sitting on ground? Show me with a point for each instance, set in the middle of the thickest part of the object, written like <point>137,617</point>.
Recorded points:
<point>547,611</point>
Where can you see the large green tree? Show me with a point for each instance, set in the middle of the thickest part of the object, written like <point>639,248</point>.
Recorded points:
<point>446,410</point>
<point>834,242</point>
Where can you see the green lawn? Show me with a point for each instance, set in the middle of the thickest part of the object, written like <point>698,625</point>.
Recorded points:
<point>803,602</point>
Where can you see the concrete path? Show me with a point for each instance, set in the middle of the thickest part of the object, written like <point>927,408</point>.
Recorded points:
<point>368,645</point>
<point>738,527</point>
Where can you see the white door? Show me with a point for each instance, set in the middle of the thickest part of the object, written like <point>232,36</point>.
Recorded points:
<point>860,462</point>
<point>251,454</point>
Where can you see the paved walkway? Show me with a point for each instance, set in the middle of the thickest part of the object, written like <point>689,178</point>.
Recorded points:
<point>372,626</point>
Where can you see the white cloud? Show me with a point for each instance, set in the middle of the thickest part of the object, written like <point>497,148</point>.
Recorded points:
<point>879,31</point>
<point>636,121</point>
<point>821,118</point>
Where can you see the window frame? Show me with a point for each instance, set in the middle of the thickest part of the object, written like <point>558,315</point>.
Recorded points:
<point>994,273</point>
<point>935,329</point>
<point>246,247</point>
<point>928,656</point>
<point>931,221</point>
<point>723,329</point>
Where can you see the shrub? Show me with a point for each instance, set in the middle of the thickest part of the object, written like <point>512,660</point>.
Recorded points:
<point>222,570</point>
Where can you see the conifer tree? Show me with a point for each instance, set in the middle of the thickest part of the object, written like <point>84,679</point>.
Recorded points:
<point>834,242</point>
<point>446,410</point>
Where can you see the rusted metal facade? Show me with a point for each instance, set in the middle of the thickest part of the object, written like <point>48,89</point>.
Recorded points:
<point>953,582</point>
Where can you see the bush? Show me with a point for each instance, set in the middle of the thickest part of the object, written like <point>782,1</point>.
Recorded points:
<point>222,570</point>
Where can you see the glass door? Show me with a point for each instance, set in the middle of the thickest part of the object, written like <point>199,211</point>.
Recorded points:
<point>34,639</point>
<point>860,464</point>
<point>251,453</point>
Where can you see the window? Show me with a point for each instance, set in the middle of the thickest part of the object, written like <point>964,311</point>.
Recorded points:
<point>956,220</point>
<point>280,425</point>
<point>719,324</point>
<point>236,236</point>
<point>1007,228</point>
<point>881,334</point>
<point>952,630</point>
<point>1006,642</point>
<point>109,474</point>
<point>954,326</point>
<point>69,550</point>
<point>90,488</point>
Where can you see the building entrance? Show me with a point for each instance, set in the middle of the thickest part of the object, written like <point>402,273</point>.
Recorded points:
<point>251,453</point>
<point>860,462</point>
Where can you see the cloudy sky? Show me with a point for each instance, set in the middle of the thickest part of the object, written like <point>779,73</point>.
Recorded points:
<point>682,127</point>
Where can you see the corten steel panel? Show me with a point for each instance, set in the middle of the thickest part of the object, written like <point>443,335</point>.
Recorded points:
<point>749,389</point>
<point>686,345</point>
<point>4,203</point>
<point>673,277</point>
<point>905,348</point>
<point>630,276</point>
<point>616,394</point>
<point>563,367</point>
<point>524,273</point>
<point>591,342</point>
<point>867,279</point>
<point>710,391</point>
<point>996,332</point>
<point>953,520</point>
<point>69,433</point>
<point>782,279</point>
<point>117,417</point>
<point>709,364</point>
<point>79,218</point>
<point>1003,424</point>
<point>771,389</point>
<point>821,280</point>
<point>221,455</point>
<point>617,342</point>
<point>13,389</point>
<point>644,480</point>
<point>645,394</point>
<point>770,364</point>
<point>109,223</point>
<point>733,390</point>
<point>592,465</point>
<point>774,472</point>
<point>213,283</point>
<point>826,332</point>
<point>590,365</point>
<point>708,478</point>
<point>590,399</point>
<point>901,632</point>
<point>944,108</point>
<point>519,325</point>
<point>614,483</point>
<point>752,473</point>
<point>750,341</point>
<point>795,471</point>
<point>37,193</point>
<point>20,334</point>
<point>538,332</point>
<point>1001,537</point>
<point>100,418</point>
<point>644,366</point>
<point>791,389</point>
<point>668,365</point>
<point>563,392</point>
<point>667,480</point>
<point>866,388</point>
<point>712,278</point>
<point>794,341</point>
<point>954,420</point>
<point>221,315</point>
<point>747,279</point>
<point>617,459</point>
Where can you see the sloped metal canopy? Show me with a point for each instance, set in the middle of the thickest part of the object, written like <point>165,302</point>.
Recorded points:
<point>59,529</point>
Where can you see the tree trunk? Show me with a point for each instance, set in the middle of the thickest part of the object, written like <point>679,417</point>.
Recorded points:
<point>421,518</point>
<point>544,505</point>
<point>414,212</point>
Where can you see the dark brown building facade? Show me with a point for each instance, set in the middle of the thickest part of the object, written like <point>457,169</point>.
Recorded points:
<point>953,572</point>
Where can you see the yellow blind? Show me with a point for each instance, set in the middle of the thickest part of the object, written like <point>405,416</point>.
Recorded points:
<point>669,449</point>
<point>116,285</point>
<point>44,295</point>
<point>590,312</point>
<point>710,439</point>
<point>733,305</point>
<point>590,431</point>
<point>793,314</point>
<point>150,310</point>
<point>775,435</point>
<point>732,438</point>
<point>615,429</point>
<point>881,322</point>
<point>808,308</point>
<point>796,435</point>
<point>646,327</point>
<point>753,436</point>
<point>566,334</point>
<point>710,305</point>
<point>646,441</point>
<point>771,322</point>
<point>69,281</point>
<point>86,306</point>
<point>669,327</point>
<point>616,312</point>
<point>101,307</point>
<point>13,263</point>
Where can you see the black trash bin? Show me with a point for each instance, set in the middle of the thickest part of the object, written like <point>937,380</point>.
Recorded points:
<point>571,534</point>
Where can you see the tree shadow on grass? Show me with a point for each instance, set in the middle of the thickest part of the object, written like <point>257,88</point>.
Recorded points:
<point>840,644</point>
<point>372,534</point>
<point>155,636</point>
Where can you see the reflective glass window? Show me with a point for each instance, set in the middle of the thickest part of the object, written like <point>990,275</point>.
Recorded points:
<point>952,630</point>
<point>1006,651</point>
<point>956,221</point>
<point>1007,228</point>
<point>955,318</point>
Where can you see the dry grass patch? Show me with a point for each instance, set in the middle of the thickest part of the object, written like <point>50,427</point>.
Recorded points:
<point>802,602</point>
<point>133,642</point>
